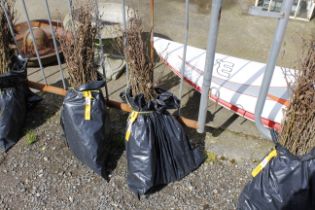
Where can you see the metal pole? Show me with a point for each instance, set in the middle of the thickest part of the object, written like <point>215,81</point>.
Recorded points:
<point>10,25</point>
<point>210,55</point>
<point>125,38</point>
<point>182,70</point>
<point>274,52</point>
<point>298,7</point>
<point>55,45</point>
<point>152,30</point>
<point>269,6</point>
<point>33,40</point>
<point>101,52</point>
<point>70,10</point>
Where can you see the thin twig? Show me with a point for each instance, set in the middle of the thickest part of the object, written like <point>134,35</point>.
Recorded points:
<point>6,39</point>
<point>79,50</point>
<point>138,59</point>
<point>298,132</point>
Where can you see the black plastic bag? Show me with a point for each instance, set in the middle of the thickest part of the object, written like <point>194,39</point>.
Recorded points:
<point>86,125</point>
<point>15,99</point>
<point>158,150</point>
<point>281,181</point>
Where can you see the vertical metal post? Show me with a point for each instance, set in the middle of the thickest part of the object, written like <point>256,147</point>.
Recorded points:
<point>210,55</point>
<point>101,52</point>
<point>70,10</point>
<point>152,30</point>
<point>55,46</point>
<point>256,3</point>
<point>34,43</point>
<point>125,38</point>
<point>273,55</point>
<point>10,25</point>
<point>269,6</point>
<point>298,7</point>
<point>182,70</point>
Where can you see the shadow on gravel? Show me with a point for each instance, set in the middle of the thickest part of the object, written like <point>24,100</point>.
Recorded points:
<point>118,121</point>
<point>45,109</point>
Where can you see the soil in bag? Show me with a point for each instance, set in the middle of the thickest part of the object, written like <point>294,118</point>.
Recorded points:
<point>282,181</point>
<point>15,99</point>
<point>158,149</point>
<point>85,122</point>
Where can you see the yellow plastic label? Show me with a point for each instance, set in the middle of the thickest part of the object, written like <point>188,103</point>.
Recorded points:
<point>132,118</point>
<point>264,162</point>
<point>87,109</point>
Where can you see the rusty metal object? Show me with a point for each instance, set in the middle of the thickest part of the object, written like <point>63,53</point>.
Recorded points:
<point>114,104</point>
<point>43,40</point>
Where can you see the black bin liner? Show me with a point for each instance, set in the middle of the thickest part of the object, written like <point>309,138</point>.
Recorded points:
<point>87,138</point>
<point>158,150</point>
<point>15,99</point>
<point>287,182</point>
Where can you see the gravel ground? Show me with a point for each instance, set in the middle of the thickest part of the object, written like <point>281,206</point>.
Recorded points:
<point>45,174</point>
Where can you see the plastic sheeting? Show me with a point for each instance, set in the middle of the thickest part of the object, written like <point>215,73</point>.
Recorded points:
<point>158,150</point>
<point>86,125</point>
<point>15,99</point>
<point>281,181</point>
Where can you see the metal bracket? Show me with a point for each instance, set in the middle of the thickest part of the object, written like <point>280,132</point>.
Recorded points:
<point>256,11</point>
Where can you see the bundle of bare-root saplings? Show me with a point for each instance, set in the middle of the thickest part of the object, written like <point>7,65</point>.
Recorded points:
<point>15,96</point>
<point>84,117</point>
<point>285,179</point>
<point>158,150</point>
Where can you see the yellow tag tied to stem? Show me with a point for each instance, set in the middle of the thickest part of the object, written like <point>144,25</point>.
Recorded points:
<point>264,162</point>
<point>132,118</point>
<point>87,109</point>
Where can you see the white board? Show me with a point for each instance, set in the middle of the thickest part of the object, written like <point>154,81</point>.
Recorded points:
<point>235,81</point>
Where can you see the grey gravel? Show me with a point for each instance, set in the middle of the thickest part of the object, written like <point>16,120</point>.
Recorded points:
<point>45,175</point>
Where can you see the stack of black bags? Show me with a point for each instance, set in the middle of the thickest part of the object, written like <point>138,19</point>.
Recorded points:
<point>158,150</point>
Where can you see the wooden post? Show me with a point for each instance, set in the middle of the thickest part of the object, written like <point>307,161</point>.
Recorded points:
<point>114,104</point>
